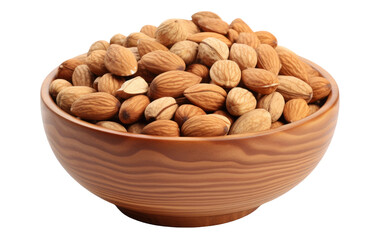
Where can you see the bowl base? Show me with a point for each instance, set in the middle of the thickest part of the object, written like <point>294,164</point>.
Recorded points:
<point>175,221</point>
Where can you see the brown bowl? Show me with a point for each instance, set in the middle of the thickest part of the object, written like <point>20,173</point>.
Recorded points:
<point>188,181</point>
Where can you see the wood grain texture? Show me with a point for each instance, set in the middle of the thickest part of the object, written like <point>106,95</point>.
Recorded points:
<point>188,181</point>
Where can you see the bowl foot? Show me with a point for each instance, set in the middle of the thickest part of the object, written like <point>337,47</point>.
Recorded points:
<point>175,221</point>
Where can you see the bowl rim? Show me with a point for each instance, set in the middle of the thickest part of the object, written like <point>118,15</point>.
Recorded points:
<point>51,105</point>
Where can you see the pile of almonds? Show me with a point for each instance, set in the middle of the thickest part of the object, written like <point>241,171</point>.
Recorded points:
<point>200,77</point>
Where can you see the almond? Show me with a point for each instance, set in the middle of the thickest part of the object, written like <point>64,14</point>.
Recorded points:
<point>232,35</point>
<point>120,61</point>
<point>321,88</point>
<point>211,50</point>
<point>96,62</point>
<point>56,86</point>
<point>311,71</point>
<point>166,128</point>
<point>99,45</point>
<point>276,124</point>
<point>109,83</point>
<point>133,109</point>
<point>95,106</point>
<point>82,76</point>
<point>133,38</point>
<point>199,70</point>
<point>244,55</point>
<point>66,69</point>
<point>274,103</point>
<point>190,26</point>
<point>161,61</point>
<point>209,97</point>
<point>292,87</point>
<point>149,45</point>
<point>313,108</point>
<point>67,96</point>
<point>187,111</point>
<point>187,50</point>
<point>240,26</point>
<point>172,84</point>
<point>267,38</point>
<point>161,108</point>
<point>172,31</point>
<point>240,101</point>
<point>252,122</point>
<point>208,24</point>
<point>260,80</point>
<point>135,52</point>
<point>199,37</point>
<point>291,64</point>
<point>132,87</point>
<point>112,125</point>
<point>224,118</point>
<point>296,109</point>
<point>225,114</point>
<point>248,38</point>
<point>118,39</point>
<point>225,73</point>
<point>144,73</point>
<point>149,30</point>
<point>204,126</point>
<point>268,59</point>
<point>203,14</point>
<point>136,127</point>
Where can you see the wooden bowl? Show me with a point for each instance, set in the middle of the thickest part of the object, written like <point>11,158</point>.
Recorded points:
<point>188,181</point>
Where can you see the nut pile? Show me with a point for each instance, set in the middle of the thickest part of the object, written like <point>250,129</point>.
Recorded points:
<point>200,77</point>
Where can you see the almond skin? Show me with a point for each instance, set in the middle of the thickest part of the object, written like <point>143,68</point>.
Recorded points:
<point>252,122</point>
<point>187,50</point>
<point>260,80</point>
<point>225,114</point>
<point>57,85</point>
<point>240,26</point>
<point>133,109</point>
<point>232,35</point>
<point>172,84</point>
<point>249,38</point>
<point>213,25</point>
<point>96,106</point>
<point>109,83</point>
<point>161,108</point>
<point>200,70</point>
<point>118,39</point>
<point>208,97</point>
<point>172,31</point>
<point>99,45</point>
<point>133,38</point>
<point>145,46</point>
<point>244,55</point>
<point>82,76</point>
<point>292,87</point>
<point>321,88</point>
<point>267,38</point>
<point>199,37</point>
<point>165,128</point>
<point>239,101</point>
<point>66,69</point>
<point>67,96</point>
<point>225,73</point>
<point>203,14</point>
<point>160,61</point>
<point>96,62</point>
<point>313,108</point>
<point>204,126</point>
<point>211,50</point>
<point>185,112</point>
<point>120,61</point>
<point>276,124</point>
<point>268,59</point>
<point>296,109</point>
<point>291,64</point>
<point>112,125</point>
<point>274,103</point>
<point>149,30</point>
<point>136,127</point>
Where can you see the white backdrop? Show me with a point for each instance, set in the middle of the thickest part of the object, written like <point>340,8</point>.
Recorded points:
<point>340,199</point>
